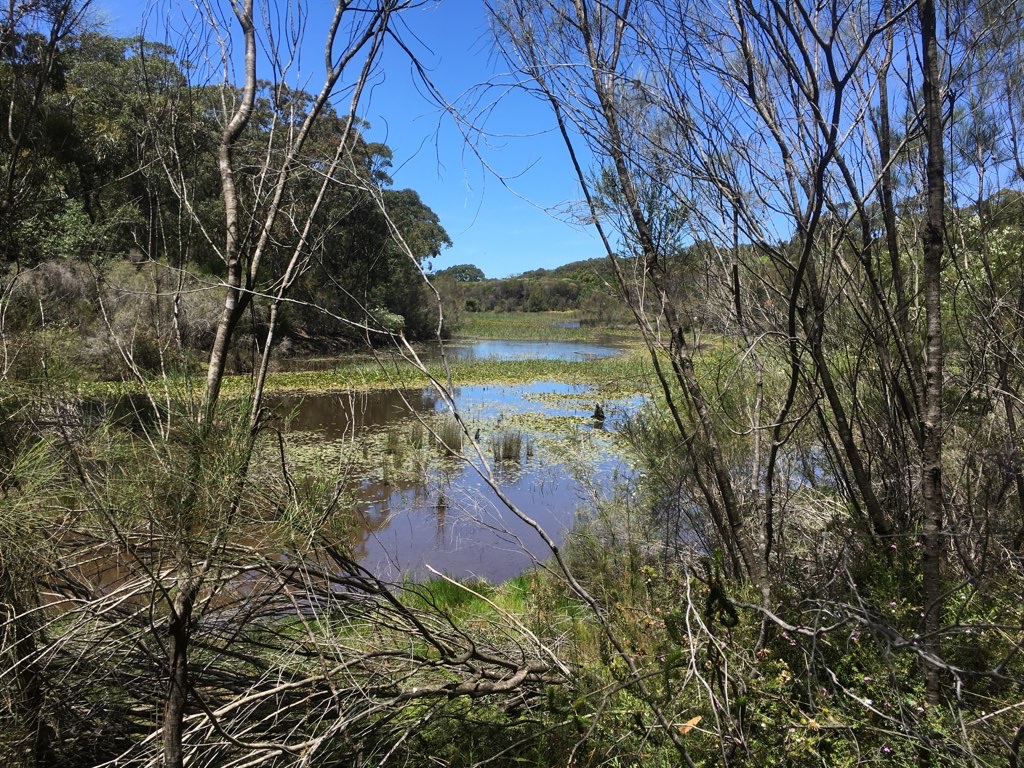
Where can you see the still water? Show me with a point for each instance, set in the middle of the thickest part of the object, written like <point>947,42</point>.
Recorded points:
<point>527,350</point>
<point>416,511</point>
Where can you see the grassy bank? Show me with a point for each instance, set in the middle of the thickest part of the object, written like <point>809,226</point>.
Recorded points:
<point>539,326</point>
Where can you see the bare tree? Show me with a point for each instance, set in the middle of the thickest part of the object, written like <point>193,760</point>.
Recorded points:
<point>768,129</point>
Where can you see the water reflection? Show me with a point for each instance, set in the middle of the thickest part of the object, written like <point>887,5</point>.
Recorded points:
<point>475,349</point>
<point>336,416</point>
<point>527,350</point>
<point>446,517</point>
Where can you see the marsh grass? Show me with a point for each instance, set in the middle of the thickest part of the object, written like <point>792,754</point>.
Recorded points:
<point>449,434</point>
<point>625,374</point>
<point>516,594</point>
<point>507,445</point>
<point>475,600</point>
<point>538,326</point>
<point>417,435</point>
<point>450,595</point>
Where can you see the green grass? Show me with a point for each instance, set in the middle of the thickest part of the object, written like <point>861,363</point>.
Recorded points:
<point>507,445</point>
<point>448,596</point>
<point>457,599</point>
<point>450,435</point>
<point>537,326</point>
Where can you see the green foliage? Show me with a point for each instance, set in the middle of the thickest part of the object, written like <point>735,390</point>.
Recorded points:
<point>364,273</point>
<point>502,736</point>
<point>99,194</point>
<point>110,224</point>
<point>462,273</point>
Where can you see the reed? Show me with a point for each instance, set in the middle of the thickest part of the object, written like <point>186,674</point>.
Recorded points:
<point>417,435</point>
<point>507,445</point>
<point>449,434</point>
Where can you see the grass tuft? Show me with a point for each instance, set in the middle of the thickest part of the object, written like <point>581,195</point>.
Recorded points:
<point>507,445</point>
<point>417,435</point>
<point>449,434</point>
<point>447,595</point>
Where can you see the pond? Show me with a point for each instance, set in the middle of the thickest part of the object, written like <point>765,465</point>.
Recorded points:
<point>419,507</point>
<point>527,350</point>
<point>477,349</point>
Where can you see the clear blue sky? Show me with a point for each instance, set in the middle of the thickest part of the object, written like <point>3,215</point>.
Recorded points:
<point>498,222</point>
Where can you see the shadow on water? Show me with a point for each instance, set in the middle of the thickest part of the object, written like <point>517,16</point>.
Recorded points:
<point>337,416</point>
<point>446,516</point>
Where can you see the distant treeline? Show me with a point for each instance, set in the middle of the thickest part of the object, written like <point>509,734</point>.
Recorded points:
<point>586,286</point>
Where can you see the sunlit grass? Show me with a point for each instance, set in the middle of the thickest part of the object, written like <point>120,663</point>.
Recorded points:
<point>470,600</point>
<point>507,445</point>
<point>538,326</point>
<point>449,434</point>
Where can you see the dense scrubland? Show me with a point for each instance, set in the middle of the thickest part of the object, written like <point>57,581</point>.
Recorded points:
<point>813,220</point>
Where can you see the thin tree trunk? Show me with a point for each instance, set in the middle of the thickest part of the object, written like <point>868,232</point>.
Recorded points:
<point>931,454</point>
<point>176,701</point>
<point>682,362</point>
<point>236,296</point>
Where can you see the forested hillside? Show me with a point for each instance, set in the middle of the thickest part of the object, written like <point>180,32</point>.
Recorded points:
<point>582,285</point>
<point>808,549</point>
<point>112,214</point>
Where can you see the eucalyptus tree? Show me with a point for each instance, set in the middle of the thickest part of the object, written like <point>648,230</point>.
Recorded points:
<point>34,40</point>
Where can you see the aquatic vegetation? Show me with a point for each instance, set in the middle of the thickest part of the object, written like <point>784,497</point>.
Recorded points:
<point>626,374</point>
<point>394,444</point>
<point>414,496</point>
<point>417,435</point>
<point>539,326</point>
<point>449,434</point>
<point>507,445</point>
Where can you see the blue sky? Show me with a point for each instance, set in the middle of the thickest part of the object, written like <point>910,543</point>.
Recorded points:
<point>498,217</point>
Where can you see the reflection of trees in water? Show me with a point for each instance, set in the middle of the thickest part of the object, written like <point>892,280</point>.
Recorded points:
<point>339,415</point>
<point>380,501</point>
<point>440,512</point>
<point>404,491</point>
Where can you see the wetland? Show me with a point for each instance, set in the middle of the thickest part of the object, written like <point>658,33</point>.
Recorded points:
<point>416,478</point>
